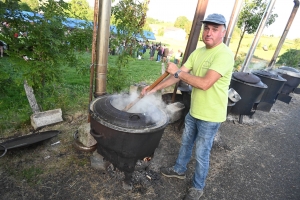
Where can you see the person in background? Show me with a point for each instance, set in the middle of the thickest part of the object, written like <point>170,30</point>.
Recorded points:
<point>144,47</point>
<point>152,51</point>
<point>178,57</point>
<point>211,68</point>
<point>159,54</point>
<point>165,54</point>
<point>162,50</point>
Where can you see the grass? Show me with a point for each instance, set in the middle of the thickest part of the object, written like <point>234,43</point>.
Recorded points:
<point>30,174</point>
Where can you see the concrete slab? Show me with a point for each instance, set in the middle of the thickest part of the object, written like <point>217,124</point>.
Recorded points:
<point>41,119</point>
<point>175,111</point>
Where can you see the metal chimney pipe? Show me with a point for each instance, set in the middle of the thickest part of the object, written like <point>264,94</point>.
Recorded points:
<point>233,20</point>
<point>103,33</point>
<point>258,34</point>
<point>284,34</point>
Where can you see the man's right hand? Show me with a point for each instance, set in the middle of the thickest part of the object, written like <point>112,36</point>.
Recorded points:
<point>145,92</point>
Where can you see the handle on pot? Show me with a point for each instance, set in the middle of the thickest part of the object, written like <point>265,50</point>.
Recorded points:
<point>96,135</point>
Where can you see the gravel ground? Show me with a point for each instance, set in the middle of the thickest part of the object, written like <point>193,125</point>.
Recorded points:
<point>258,159</point>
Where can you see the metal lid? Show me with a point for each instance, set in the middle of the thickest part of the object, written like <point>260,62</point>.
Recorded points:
<point>269,74</point>
<point>289,71</point>
<point>105,113</point>
<point>260,84</point>
<point>246,77</point>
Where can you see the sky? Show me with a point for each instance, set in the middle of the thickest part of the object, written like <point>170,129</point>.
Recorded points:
<point>169,10</point>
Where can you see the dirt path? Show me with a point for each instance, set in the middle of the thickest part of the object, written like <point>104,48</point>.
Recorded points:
<point>258,159</point>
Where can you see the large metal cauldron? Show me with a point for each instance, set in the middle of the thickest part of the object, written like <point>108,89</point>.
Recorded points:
<point>123,137</point>
<point>275,83</point>
<point>251,89</point>
<point>293,80</point>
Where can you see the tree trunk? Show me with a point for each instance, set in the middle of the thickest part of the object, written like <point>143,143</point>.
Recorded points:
<point>237,50</point>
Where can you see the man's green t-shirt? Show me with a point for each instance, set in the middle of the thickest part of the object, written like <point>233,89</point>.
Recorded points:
<point>211,105</point>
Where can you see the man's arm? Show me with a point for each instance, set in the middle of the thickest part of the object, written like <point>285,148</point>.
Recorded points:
<point>203,83</point>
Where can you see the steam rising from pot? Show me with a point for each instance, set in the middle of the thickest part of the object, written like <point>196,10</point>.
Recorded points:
<point>147,105</point>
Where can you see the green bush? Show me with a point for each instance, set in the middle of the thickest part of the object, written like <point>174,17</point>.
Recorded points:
<point>290,58</point>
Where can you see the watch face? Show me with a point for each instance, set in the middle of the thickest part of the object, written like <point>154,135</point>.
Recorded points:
<point>176,74</point>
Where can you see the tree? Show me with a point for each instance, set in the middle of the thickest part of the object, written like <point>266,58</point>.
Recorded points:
<point>250,17</point>
<point>183,23</point>
<point>129,18</point>
<point>161,31</point>
<point>147,27</point>
<point>180,22</point>
<point>43,48</point>
<point>188,27</point>
<point>153,21</point>
<point>32,4</point>
<point>290,58</point>
<point>80,9</point>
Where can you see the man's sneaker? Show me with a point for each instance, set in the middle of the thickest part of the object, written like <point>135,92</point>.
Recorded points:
<point>169,172</point>
<point>193,194</point>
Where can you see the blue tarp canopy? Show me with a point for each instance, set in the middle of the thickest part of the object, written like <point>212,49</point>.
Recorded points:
<point>69,22</point>
<point>27,16</point>
<point>113,29</point>
<point>76,23</point>
<point>147,34</point>
<point>79,23</point>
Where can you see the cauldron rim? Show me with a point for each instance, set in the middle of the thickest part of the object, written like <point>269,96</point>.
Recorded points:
<point>129,130</point>
<point>158,125</point>
<point>283,70</point>
<point>276,76</point>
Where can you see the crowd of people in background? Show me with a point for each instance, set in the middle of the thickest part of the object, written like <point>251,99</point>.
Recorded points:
<point>163,53</point>
<point>157,52</point>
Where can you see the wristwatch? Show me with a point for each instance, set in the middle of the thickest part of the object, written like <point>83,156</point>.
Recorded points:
<point>177,74</point>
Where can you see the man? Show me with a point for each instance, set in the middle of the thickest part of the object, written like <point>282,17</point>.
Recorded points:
<point>211,68</point>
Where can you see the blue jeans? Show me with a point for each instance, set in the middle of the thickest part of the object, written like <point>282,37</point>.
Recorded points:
<point>158,57</point>
<point>201,133</point>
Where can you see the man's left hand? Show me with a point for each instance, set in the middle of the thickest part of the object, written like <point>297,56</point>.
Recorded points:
<point>172,68</point>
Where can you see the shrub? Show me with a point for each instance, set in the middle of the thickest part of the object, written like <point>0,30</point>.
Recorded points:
<point>290,58</point>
